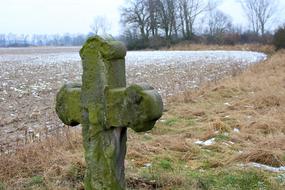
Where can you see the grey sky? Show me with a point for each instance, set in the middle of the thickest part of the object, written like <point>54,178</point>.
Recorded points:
<point>55,16</point>
<point>75,16</point>
<point>234,9</point>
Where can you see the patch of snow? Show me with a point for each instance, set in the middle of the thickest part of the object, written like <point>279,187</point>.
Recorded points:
<point>266,167</point>
<point>30,130</point>
<point>143,57</point>
<point>206,143</point>
<point>147,165</point>
<point>166,57</point>
<point>236,130</point>
<point>224,143</point>
<point>249,106</point>
<point>228,143</point>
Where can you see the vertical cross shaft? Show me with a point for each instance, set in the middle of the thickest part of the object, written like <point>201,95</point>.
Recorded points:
<point>103,66</point>
<point>105,108</point>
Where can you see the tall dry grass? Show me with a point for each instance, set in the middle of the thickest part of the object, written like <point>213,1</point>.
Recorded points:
<point>53,158</point>
<point>184,46</point>
<point>252,102</point>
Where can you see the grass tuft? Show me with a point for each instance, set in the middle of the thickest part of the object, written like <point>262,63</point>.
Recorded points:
<point>36,181</point>
<point>267,157</point>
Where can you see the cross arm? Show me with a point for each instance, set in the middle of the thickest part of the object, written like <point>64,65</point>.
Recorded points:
<point>137,107</point>
<point>68,104</point>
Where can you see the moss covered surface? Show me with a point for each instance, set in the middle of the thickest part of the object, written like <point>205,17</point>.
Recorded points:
<point>105,108</point>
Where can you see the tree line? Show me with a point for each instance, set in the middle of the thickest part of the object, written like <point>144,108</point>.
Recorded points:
<point>155,23</point>
<point>14,40</point>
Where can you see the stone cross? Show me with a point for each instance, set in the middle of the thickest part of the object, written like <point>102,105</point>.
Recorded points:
<point>105,108</point>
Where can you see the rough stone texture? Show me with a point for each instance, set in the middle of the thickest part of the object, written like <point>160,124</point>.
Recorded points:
<point>106,108</point>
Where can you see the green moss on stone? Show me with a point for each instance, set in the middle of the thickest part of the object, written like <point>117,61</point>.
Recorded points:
<point>68,104</point>
<point>105,108</point>
<point>109,49</point>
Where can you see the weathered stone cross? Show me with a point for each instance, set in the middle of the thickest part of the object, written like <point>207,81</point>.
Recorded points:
<point>106,108</point>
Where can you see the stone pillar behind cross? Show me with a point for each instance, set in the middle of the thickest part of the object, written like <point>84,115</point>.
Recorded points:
<point>106,108</point>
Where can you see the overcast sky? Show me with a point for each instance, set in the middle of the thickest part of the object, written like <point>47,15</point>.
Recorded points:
<point>75,16</point>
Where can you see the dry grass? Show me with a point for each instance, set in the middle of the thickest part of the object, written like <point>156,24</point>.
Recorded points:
<point>248,47</point>
<point>254,103</point>
<point>52,159</point>
<point>245,114</point>
<point>269,157</point>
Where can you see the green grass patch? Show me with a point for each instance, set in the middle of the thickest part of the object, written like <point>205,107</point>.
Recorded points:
<point>2,186</point>
<point>233,180</point>
<point>281,179</point>
<point>35,181</point>
<point>161,129</point>
<point>190,121</point>
<point>173,175</point>
<point>222,137</point>
<point>165,164</point>
<point>171,122</point>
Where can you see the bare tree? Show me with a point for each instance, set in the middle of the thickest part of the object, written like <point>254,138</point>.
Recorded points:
<point>137,15</point>
<point>169,19</point>
<point>153,9</point>
<point>189,10</point>
<point>100,25</point>
<point>259,13</point>
<point>218,22</point>
<point>167,12</point>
